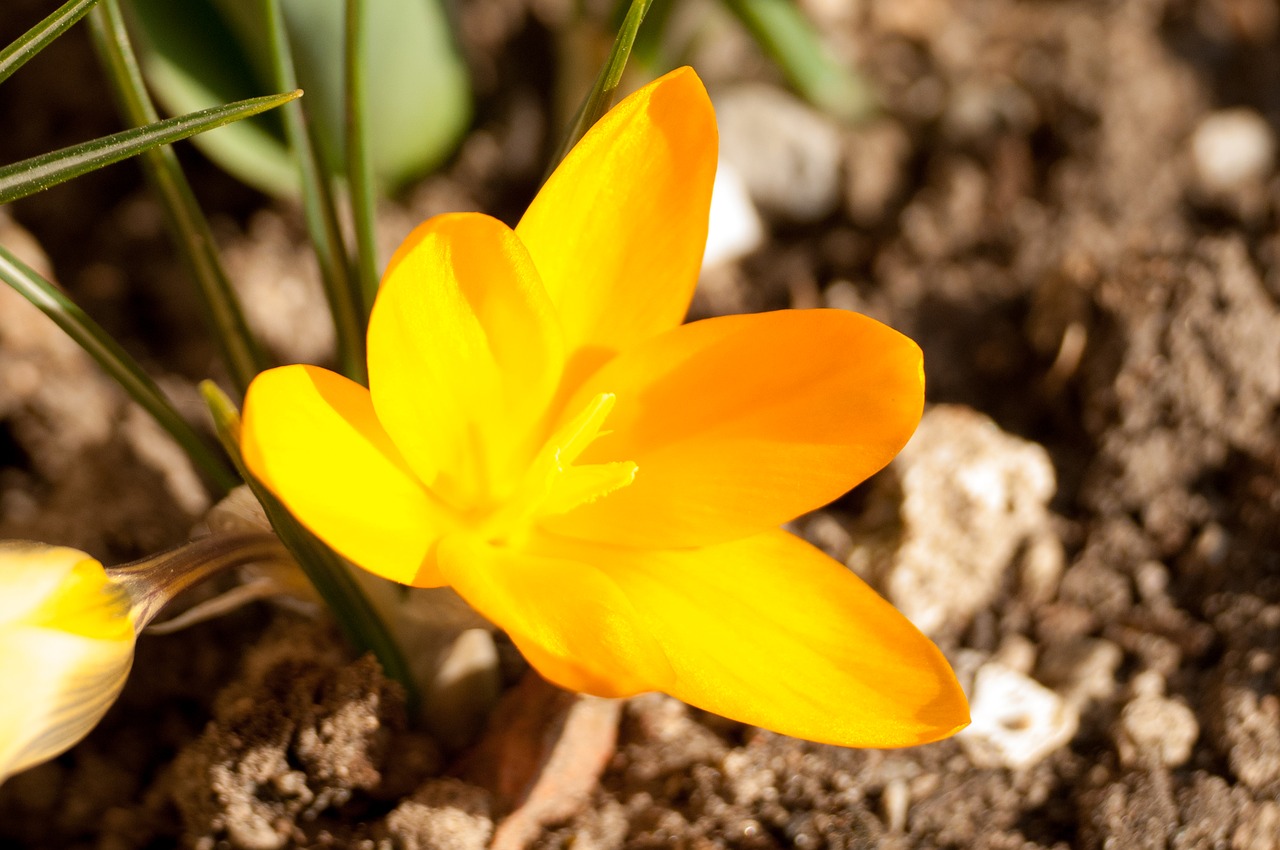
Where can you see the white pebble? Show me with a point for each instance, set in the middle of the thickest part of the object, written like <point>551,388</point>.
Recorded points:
<point>1233,148</point>
<point>1017,722</point>
<point>788,155</point>
<point>734,229</point>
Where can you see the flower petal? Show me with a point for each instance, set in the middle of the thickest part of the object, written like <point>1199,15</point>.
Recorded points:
<point>312,438</point>
<point>465,354</point>
<point>618,230</point>
<point>740,423</point>
<point>770,631</point>
<point>568,618</point>
<point>31,573</point>
<point>68,682</point>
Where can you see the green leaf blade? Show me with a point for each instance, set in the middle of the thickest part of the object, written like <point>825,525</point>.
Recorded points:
<point>601,96</point>
<point>791,41</point>
<point>188,226</point>
<point>325,569</point>
<point>115,361</point>
<point>38,37</point>
<point>42,172</point>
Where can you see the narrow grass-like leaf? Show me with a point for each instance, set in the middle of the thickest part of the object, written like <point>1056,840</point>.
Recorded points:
<point>117,363</point>
<point>650,45</point>
<point>321,215</point>
<point>601,96</point>
<point>193,58</point>
<point>360,180</point>
<point>41,172</point>
<point>187,225</point>
<point>38,37</point>
<point>790,39</point>
<point>326,570</point>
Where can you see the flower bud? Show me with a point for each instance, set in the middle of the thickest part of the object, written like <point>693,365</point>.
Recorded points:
<point>66,645</point>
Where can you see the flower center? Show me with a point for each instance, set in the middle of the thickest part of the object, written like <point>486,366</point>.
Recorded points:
<point>554,484</point>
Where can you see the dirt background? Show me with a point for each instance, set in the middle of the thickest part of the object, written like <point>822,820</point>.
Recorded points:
<point>1072,205</point>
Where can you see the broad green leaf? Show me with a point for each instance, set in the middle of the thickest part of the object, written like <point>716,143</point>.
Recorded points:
<point>194,59</point>
<point>419,100</point>
<point>38,37</point>
<point>41,172</point>
<point>419,96</point>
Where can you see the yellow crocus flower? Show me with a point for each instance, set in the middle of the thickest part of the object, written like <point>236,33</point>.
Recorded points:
<point>66,645</point>
<point>541,433</point>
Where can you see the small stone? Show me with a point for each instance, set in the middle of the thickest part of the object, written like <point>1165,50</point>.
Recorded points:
<point>1232,149</point>
<point>1154,727</point>
<point>966,497</point>
<point>788,155</point>
<point>463,688</point>
<point>734,228</point>
<point>1017,722</point>
<point>1248,725</point>
<point>444,814</point>
<point>1259,828</point>
<point>895,801</point>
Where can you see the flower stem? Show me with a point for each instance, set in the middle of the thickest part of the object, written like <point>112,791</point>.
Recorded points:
<point>318,207</point>
<point>360,178</point>
<point>328,573</point>
<point>155,581</point>
<point>187,224</point>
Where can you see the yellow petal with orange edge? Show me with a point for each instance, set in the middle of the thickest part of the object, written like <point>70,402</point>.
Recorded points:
<point>568,618</point>
<point>618,230</point>
<point>312,438</point>
<point>740,423</point>
<point>770,631</point>
<point>465,353</point>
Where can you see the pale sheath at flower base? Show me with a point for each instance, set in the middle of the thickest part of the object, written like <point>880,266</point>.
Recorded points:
<point>603,483</point>
<point>66,645</point>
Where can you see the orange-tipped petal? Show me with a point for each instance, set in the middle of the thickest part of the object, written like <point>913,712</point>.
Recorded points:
<point>740,423</point>
<point>312,438</point>
<point>618,230</point>
<point>770,631</point>
<point>465,354</point>
<point>569,619</point>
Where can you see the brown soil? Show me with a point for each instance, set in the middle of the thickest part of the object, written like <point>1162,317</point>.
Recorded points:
<point>1100,316</point>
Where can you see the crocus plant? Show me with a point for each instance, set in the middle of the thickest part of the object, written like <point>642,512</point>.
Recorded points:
<point>542,434</point>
